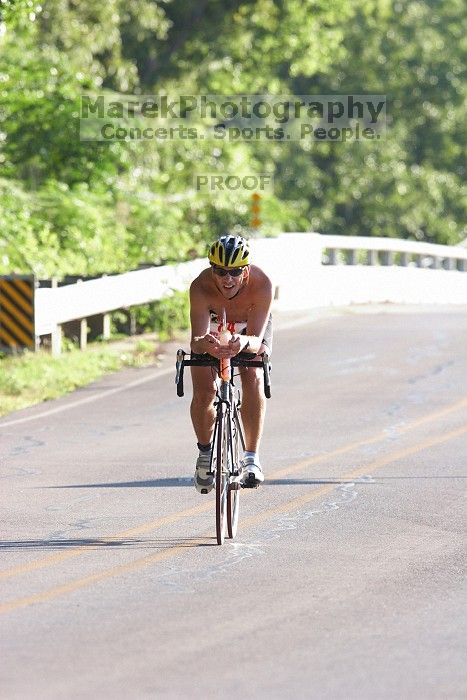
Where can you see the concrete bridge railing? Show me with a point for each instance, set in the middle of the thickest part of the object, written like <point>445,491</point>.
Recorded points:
<point>308,270</point>
<point>312,270</point>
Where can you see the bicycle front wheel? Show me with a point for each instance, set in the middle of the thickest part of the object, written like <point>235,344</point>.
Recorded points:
<point>222,474</point>
<point>233,496</point>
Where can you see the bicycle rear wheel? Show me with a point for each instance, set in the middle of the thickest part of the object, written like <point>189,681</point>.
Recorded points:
<point>233,496</point>
<point>222,474</point>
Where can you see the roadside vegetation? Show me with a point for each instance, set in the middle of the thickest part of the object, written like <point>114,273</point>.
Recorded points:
<point>29,378</point>
<point>77,207</point>
<point>69,206</point>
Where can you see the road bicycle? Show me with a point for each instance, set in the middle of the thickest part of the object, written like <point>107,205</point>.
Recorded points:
<point>228,438</point>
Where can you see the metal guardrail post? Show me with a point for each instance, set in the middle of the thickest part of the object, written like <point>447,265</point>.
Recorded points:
<point>132,321</point>
<point>106,326</point>
<point>83,334</point>
<point>57,340</point>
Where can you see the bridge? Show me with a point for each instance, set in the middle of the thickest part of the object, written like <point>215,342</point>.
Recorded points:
<point>345,580</point>
<point>309,270</point>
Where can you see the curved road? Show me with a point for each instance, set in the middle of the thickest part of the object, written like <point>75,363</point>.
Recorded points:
<point>346,577</point>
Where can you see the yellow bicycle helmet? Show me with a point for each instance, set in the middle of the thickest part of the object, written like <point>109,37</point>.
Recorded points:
<point>230,251</point>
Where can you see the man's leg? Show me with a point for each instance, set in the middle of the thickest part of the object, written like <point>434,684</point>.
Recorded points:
<point>203,417</point>
<point>254,400</point>
<point>203,414</point>
<point>253,412</point>
<point>253,407</point>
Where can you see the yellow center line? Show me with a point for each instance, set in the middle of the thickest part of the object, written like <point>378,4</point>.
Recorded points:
<point>254,519</point>
<point>361,471</point>
<point>429,418</point>
<point>93,578</point>
<point>70,553</point>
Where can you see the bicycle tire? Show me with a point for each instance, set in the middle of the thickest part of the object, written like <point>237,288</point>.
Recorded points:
<point>222,475</point>
<point>233,496</point>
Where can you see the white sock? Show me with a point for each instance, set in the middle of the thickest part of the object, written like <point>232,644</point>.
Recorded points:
<point>252,455</point>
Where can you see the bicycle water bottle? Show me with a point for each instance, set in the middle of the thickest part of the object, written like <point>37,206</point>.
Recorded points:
<point>224,337</point>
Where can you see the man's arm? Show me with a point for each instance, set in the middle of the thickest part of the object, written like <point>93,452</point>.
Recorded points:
<point>201,340</point>
<point>257,320</point>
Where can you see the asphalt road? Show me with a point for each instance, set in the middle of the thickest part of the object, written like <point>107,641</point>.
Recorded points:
<point>346,578</point>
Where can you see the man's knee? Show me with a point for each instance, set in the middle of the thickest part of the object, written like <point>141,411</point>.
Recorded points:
<point>204,389</point>
<point>204,396</point>
<point>251,378</point>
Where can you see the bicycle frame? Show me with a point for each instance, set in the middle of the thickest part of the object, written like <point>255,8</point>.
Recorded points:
<point>228,437</point>
<point>225,394</point>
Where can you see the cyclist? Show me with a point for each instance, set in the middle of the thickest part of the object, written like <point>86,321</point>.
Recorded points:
<point>245,292</point>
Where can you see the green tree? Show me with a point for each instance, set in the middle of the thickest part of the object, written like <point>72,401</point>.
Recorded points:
<point>411,183</point>
<point>68,205</point>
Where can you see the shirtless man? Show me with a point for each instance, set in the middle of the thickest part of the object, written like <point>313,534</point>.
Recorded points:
<point>245,292</point>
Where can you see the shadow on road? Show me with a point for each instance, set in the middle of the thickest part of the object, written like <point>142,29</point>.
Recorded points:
<point>147,483</point>
<point>188,481</point>
<point>97,543</point>
<point>305,482</point>
<point>171,482</point>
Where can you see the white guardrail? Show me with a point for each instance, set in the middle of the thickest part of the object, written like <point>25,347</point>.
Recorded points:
<point>308,270</point>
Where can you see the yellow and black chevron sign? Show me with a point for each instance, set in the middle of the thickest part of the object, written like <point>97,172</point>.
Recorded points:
<point>17,312</point>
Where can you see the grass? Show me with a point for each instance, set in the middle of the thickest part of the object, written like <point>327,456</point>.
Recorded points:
<point>30,378</point>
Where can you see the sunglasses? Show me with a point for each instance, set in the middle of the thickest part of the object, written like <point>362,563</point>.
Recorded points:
<point>233,271</point>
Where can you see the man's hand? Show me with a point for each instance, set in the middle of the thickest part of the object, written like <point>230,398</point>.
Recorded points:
<point>235,345</point>
<point>206,344</point>
<point>211,345</point>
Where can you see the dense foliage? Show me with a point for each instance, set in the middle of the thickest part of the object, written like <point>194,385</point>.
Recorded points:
<point>71,206</point>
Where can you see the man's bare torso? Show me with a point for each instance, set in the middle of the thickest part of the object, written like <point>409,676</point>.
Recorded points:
<point>246,301</point>
<point>239,307</point>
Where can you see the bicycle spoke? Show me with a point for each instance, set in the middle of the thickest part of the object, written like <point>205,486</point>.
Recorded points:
<point>233,499</point>
<point>222,477</point>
